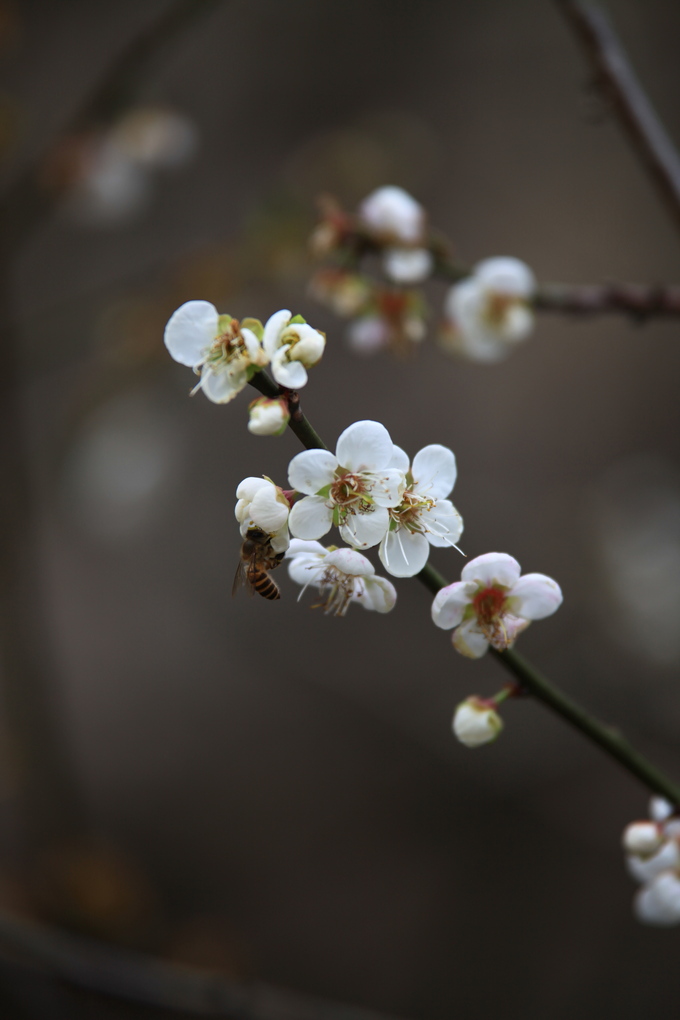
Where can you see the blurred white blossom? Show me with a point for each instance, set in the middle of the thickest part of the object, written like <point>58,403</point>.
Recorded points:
<point>653,859</point>
<point>476,722</point>
<point>393,215</point>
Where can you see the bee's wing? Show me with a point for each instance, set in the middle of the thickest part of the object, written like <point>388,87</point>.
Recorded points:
<point>241,579</point>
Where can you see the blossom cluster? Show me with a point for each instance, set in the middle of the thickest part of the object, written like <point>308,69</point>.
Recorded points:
<point>653,859</point>
<point>486,313</point>
<point>226,353</point>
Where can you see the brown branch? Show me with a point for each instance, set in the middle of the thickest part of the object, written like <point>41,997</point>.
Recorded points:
<point>616,79</point>
<point>147,980</point>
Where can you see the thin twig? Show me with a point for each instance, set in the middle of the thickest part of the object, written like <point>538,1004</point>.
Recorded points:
<point>133,977</point>
<point>618,82</point>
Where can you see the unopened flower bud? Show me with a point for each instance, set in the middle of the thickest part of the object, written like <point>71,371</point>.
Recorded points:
<point>476,722</point>
<point>268,417</point>
<point>642,838</point>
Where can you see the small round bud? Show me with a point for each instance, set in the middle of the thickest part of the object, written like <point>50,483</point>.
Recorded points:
<point>268,417</point>
<point>476,722</point>
<point>642,838</point>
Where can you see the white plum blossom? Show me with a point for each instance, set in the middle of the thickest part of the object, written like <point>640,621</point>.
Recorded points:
<point>223,351</point>
<point>653,859</point>
<point>492,604</point>
<point>268,417</point>
<point>407,265</point>
<point>261,504</point>
<point>488,312</point>
<point>341,575</point>
<point>424,516</point>
<point>353,489</point>
<point>292,346</point>
<point>476,722</point>
<point>394,214</point>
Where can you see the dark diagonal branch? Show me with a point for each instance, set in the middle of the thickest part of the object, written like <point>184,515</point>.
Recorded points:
<point>615,77</point>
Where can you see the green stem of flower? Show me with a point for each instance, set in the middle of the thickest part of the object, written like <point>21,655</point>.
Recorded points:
<point>606,737</point>
<point>298,423</point>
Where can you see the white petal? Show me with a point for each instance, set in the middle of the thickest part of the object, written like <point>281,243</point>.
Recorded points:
<point>280,540</point>
<point>267,511</point>
<point>291,374</point>
<point>506,275</point>
<point>311,470</point>
<point>249,486</point>
<point>443,524</point>
<point>350,562</point>
<point>366,530</point>
<point>535,596</point>
<point>310,518</point>
<point>659,902</point>
<point>660,809</point>
<point>310,344</point>
<point>404,553</point>
<point>191,330</point>
<point>392,210</point>
<point>451,602</point>
<point>221,387</point>
<point>644,869</point>
<point>387,486</point>
<point>379,595</point>
<point>253,345</point>
<point>407,265</point>
<point>517,325</point>
<point>273,328</point>
<point>399,459</point>
<point>434,471</point>
<point>469,640</point>
<point>492,568</point>
<point>297,547</point>
<point>364,446</point>
<point>306,569</point>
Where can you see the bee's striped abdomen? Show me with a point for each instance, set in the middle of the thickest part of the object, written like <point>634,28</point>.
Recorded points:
<point>263,584</point>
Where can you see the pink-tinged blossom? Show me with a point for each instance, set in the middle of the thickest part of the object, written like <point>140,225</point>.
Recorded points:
<point>424,517</point>
<point>492,604</point>
<point>352,489</point>
<point>342,576</point>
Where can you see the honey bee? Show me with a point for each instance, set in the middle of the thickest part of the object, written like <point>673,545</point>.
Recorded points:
<point>257,559</point>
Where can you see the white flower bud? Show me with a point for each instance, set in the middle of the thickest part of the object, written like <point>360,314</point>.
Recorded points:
<point>392,211</point>
<point>642,838</point>
<point>268,417</point>
<point>408,265</point>
<point>476,722</point>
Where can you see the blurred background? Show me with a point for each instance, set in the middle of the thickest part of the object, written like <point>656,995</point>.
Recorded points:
<point>251,786</point>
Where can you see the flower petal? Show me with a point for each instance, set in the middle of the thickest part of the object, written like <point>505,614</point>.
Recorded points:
<point>451,602</point>
<point>434,471</point>
<point>469,640</point>
<point>380,594</point>
<point>399,459</point>
<point>298,546</point>
<point>387,488</point>
<point>310,518</point>
<point>273,327</point>
<point>505,274</point>
<point>492,568</point>
<point>350,562</point>
<point>535,596</point>
<point>190,330</point>
<point>659,902</point>
<point>364,446</point>
<point>443,524</point>
<point>404,553</point>
<point>291,374</point>
<point>311,470</point>
<point>267,511</point>
<point>366,530</point>
<point>307,569</point>
<point>221,387</point>
<point>644,869</point>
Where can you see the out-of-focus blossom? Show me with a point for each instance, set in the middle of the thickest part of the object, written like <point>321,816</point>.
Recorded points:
<point>341,575</point>
<point>223,351</point>
<point>424,516</point>
<point>407,265</point>
<point>352,490</point>
<point>292,346</point>
<point>261,504</point>
<point>343,292</point>
<point>393,215</point>
<point>394,319</point>
<point>476,722</point>
<point>492,604</point>
<point>653,859</point>
<point>268,417</point>
<point>488,312</point>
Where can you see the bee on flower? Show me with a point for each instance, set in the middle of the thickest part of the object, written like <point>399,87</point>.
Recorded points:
<point>263,505</point>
